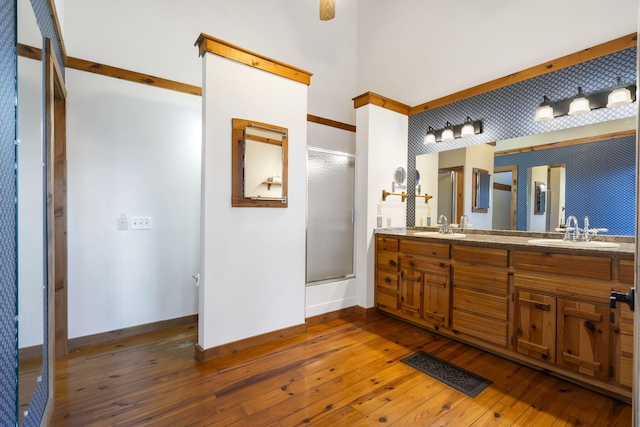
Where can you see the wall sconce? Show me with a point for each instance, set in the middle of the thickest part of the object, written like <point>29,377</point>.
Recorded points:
<point>450,132</point>
<point>582,103</point>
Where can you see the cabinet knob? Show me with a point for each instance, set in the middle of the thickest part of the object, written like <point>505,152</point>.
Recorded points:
<point>387,279</point>
<point>392,262</point>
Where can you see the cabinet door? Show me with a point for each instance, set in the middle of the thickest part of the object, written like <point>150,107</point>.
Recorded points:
<point>435,303</point>
<point>536,331</point>
<point>583,337</point>
<point>411,292</point>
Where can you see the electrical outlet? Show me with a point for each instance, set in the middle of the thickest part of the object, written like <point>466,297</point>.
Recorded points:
<point>141,223</point>
<point>379,222</point>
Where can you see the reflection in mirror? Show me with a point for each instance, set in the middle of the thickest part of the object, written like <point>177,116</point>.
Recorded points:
<point>259,165</point>
<point>30,213</point>
<point>262,164</point>
<point>481,190</point>
<point>598,167</point>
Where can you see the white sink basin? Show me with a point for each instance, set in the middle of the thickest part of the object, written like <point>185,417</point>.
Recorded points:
<point>578,245</point>
<point>439,235</point>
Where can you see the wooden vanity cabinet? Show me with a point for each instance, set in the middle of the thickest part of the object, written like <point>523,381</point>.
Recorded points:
<point>544,307</point>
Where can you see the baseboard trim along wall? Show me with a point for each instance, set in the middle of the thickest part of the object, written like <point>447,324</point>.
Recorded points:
<point>202,355</point>
<point>104,337</point>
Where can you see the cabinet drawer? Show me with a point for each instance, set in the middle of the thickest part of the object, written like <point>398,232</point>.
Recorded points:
<point>492,306</point>
<point>571,287</point>
<point>481,279</point>
<point>387,244</point>
<point>485,329</point>
<point>571,265</point>
<point>434,250</point>
<point>626,271</point>
<point>387,300</point>
<point>411,263</point>
<point>387,261</point>
<point>387,280</point>
<point>476,255</point>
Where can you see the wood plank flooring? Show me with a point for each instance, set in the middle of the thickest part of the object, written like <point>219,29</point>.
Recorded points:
<point>345,372</point>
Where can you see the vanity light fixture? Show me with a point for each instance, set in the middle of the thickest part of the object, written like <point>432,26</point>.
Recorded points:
<point>430,137</point>
<point>580,104</point>
<point>583,103</point>
<point>450,132</point>
<point>544,111</point>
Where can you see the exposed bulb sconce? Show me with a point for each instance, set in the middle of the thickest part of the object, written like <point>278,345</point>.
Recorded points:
<point>580,104</point>
<point>450,132</point>
<point>327,10</point>
<point>583,103</point>
<point>430,137</point>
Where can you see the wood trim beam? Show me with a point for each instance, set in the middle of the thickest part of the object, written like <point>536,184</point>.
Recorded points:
<point>381,101</point>
<point>202,355</point>
<point>118,73</point>
<point>132,76</point>
<point>329,122</point>
<point>207,43</point>
<point>578,141</point>
<point>603,49</point>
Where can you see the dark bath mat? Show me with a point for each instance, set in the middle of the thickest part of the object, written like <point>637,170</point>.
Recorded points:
<point>450,374</point>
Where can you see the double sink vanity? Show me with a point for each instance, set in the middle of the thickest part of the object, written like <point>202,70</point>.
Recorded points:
<point>531,297</point>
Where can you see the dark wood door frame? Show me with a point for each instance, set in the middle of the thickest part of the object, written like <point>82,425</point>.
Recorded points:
<point>56,187</point>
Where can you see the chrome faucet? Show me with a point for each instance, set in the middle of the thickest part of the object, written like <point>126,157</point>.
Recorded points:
<point>585,229</point>
<point>575,229</point>
<point>444,225</point>
<point>464,220</point>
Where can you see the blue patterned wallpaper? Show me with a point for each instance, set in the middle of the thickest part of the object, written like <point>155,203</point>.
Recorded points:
<point>508,112</point>
<point>600,182</point>
<point>8,229</point>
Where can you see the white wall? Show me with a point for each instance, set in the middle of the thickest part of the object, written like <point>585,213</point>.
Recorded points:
<point>415,51</point>
<point>158,38</point>
<point>253,259</point>
<point>381,143</point>
<point>135,149</point>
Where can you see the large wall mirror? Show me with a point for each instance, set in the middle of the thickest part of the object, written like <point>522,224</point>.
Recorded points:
<point>31,214</point>
<point>259,164</point>
<point>584,171</point>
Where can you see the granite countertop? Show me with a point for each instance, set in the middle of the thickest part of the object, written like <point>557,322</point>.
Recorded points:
<point>512,238</point>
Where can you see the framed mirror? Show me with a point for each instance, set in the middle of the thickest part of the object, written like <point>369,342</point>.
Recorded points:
<point>259,165</point>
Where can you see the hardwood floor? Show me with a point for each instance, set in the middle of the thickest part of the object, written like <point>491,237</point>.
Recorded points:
<point>345,372</point>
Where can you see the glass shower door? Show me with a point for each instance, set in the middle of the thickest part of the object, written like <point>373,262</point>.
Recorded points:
<point>330,215</point>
